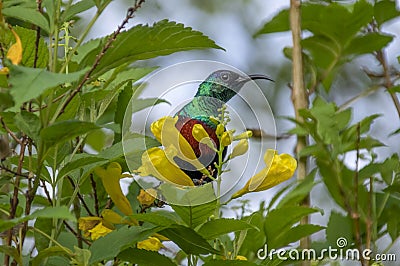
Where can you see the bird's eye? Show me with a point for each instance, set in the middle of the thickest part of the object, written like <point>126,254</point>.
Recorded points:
<point>225,76</point>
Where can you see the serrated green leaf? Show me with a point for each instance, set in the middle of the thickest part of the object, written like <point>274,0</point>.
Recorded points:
<point>145,42</point>
<point>188,240</point>
<point>112,244</point>
<point>29,15</point>
<point>368,43</point>
<point>77,8</point>
<point>214,228</point>
<point>195,204</point>
<point>28,123</point>
<point>385,11</point>
<point>28,83</point>
<point>28,40</point>
<point>65,130</point>
<point>144,257</point>
<point>280,22</point>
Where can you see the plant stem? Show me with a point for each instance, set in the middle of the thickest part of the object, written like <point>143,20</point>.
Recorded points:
<point>300,101</point>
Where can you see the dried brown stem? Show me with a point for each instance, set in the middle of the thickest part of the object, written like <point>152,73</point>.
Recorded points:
<point>39,8</point>
<point>14,200</point>
<point>96,199</point>
<point>9,131</point>
<point>107,46</point>
<point>80,197</point>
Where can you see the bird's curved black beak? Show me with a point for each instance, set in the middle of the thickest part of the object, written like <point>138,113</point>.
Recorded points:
<point>260,76</point>
<point>253,77</point>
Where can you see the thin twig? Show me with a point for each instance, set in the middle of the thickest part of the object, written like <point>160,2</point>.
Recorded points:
<point>9,131</point>
<point>107,46</point>
<point>96,199</point>
<point>39,9</point>
<point>2,167</point>
<point>80,197</point>
<point>300,101</point>
<point>14,200</point>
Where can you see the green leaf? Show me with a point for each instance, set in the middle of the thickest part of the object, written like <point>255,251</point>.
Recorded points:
<point>81,257</point>
<point>50,252</point>
<point>144,257</point>
<point>188,240</point>
<point>28,123</point>
<point>77,8</point>
<point>28,40</point>
<point>279,221</point>
<point>13,252</point>
<point>339,226</point>
<point>229,263</point>
<point>280,22</point>
<point>78,163</point>
<point>109,246</point>
<point>28,83</point>
<point>65,130</point>
<point>48,212</point>
<point>368,43</point>
<point>295,234</point>
<point>156,218</point>
<point>140,104</point>
<point>302,190</point>
<point>252,239</point>
<point>214,228</point>
<point>145,42</point>
<point>196,204</point>
<point>384,11</point>
<point>27,14</point>
<point>45,225</point>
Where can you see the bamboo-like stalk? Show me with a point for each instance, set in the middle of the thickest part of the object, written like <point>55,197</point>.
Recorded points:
<point>300,100</point>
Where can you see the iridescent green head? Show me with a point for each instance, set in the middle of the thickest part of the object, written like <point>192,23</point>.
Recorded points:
<point>224,84</point>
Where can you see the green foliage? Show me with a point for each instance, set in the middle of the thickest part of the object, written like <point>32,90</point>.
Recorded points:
<point>62,112</point>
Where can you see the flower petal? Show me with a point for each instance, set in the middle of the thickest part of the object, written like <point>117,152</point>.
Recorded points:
<point>158,163</point>
<point>279,169</point>
<point>165,132</point>
<point>151,244</point>
<point>110,178</point>
<point>15,51</point>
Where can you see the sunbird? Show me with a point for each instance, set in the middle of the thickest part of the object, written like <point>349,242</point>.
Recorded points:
<point>216,90</point>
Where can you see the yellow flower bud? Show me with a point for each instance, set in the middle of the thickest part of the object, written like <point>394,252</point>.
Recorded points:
<point>226,139</point>
<point>239,257</point>
<point>199,132</point>
<point>147,197</point>
<point>240,149</point>
<point>245,135</point>
<point>151,244</point>
<point>220,129</point>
